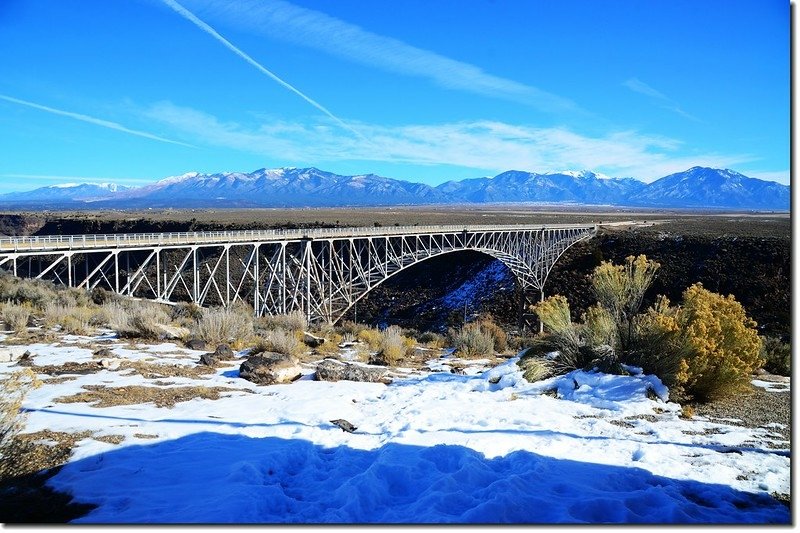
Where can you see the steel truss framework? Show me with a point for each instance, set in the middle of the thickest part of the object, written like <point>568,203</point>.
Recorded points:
<point>321,272</point>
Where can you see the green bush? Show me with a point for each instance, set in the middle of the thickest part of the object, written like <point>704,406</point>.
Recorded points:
<point>471,342</point>
<point>777,356</point>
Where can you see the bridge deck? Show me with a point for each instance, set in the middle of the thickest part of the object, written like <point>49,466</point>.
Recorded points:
<point>57,243</point>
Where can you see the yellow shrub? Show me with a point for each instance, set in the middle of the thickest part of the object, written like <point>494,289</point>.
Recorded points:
<point>599,327</point>
<point>371,337</point>
<point>725,346</point>
<point>554,314</point>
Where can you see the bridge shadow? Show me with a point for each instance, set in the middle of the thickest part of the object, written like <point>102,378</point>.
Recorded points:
<point>216,478</point>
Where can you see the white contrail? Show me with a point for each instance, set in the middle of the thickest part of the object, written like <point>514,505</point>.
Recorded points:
<point>188,15</point>
<point>92,120</point>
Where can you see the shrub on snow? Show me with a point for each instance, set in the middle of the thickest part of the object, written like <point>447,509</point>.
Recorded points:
<point>471,342</point>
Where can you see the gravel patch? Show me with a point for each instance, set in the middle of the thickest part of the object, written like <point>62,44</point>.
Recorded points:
<point>757,408</point>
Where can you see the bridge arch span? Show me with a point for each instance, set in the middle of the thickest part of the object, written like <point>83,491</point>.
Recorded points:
<point>320,272</point>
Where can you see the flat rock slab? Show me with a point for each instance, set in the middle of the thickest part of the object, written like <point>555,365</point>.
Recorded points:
<point>270,368</point>
<point>333,370</point>
<point>9,354</point>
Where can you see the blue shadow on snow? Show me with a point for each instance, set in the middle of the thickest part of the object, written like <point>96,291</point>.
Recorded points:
<point>216,478</point>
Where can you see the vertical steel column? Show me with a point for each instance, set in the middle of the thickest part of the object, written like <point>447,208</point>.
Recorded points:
<point>228,275</point>
<point>256,288</point>
<point>195,279</point>
<point>116,272</point>
<point>158,273</point>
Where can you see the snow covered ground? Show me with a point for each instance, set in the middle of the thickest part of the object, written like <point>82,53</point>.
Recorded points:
<point>432,447</point>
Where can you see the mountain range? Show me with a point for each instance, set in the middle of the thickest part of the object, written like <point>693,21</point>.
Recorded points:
<point>698,187</point>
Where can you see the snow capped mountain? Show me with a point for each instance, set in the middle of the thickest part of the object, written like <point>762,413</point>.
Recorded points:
<point>697,187</point>
<point>280,187</point>
<point>563,187</point>
<point>712,187</point>
<point>64,193</point>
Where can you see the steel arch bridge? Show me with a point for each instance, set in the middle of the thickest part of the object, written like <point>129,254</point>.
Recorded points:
<point>320,272</point>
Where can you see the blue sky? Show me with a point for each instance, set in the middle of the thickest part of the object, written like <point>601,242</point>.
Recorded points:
<point>132,91</point>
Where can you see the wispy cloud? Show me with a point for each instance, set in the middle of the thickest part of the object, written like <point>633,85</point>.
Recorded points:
<point>92,120</point>
<point>285,21</point>
<point>481,145</point>
<point>641,87</point>
<point>188,15</point>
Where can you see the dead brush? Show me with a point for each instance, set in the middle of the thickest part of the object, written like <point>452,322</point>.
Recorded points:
<point>72,319</point>
<point>224,325</point>
<point>15,386</point>
<point>392,347</point>
<point>471,342</point>
<point>279,341</point>
<point>16,316</point>
<point>293,321</point>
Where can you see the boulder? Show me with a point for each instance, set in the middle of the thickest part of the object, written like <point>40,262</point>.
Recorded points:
<point>224,352</point>
<point>312,341</point>
<point>268,368</point>
<point>208,359</point>
<point>196,344</point>
<point>172,333</point>
<point>102,353</point>
<point>9,354</point>
<point>333,370</point>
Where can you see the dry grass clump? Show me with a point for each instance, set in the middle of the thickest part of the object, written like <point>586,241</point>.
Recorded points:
<point>135,318</point>
<point>160,371</point>
<point>471,342</point>
<point>15,386</point>
<point>73,319</point>
<point>280,341</point>
<point>31,456</point>
<point>535,368</point>
<point>497,333</point>
<point>102,396</point>
<point>392,346</point>
<point>16,315</point>
<point>293,321</point>
<point>224,325</point>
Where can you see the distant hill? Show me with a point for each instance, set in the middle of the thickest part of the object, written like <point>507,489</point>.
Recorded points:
<point>698,187</point>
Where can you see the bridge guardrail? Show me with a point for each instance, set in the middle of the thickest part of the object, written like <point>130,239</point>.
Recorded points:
<point>128,240</point>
